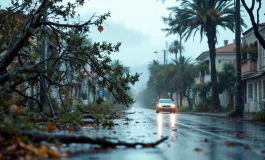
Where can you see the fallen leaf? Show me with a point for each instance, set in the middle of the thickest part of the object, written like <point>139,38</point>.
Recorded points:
<point>114,132</point>
<point>11,148</point>
<point>205,140</point>
<point>174,130</point>
<point>197,149</point>
<point>137,122</point>
<point>247,148</point>
<point>1,156</point>
<point>54,153</point>
<point>50,127</point>
<point>231,145</point>
<point>263,151</point>
<point>64,155</point>
<point>43,150</point>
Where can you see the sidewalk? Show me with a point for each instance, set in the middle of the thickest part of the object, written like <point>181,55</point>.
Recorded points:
<point>246,116</point>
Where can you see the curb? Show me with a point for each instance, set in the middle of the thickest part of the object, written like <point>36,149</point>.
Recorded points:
<point>221,116</point>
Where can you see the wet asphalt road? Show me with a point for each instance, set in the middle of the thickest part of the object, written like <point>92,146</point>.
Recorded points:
<point>191,137</point>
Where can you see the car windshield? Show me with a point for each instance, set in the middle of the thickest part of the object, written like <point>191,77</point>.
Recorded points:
<point>165,101</point>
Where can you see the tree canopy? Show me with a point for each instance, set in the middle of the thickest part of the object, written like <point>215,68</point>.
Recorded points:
<point>27,27</point>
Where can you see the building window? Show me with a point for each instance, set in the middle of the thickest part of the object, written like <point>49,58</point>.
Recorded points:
<point>250,91</point>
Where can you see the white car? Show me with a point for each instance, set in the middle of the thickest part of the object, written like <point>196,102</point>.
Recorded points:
<point>165,105</point>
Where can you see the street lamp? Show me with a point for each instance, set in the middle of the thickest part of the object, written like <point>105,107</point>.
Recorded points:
<point>164,52</point>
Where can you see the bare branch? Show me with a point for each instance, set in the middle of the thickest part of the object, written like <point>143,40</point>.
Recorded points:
<point>89,22</point>
<point>28,97</point>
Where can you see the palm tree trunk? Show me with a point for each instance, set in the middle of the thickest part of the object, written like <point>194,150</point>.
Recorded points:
<point>211,35</point>
<point>177,98</point>
<point>180,98</point>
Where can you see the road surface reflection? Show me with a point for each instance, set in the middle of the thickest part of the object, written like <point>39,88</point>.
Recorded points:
<point>162,120</point>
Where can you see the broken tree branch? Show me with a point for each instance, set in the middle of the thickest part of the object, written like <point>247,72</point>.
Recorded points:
<point>38,136</point>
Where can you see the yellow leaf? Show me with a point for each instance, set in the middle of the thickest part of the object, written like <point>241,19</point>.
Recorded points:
<point>50,127</point>
<point>100,28</point>
<point>54,153</point>
<point>43,150</point>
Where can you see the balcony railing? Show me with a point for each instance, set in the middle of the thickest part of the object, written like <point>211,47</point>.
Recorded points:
<point>249,65</point>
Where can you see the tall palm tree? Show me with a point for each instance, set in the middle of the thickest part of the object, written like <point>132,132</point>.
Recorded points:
<point>175,48</point>
<point>203,16</point>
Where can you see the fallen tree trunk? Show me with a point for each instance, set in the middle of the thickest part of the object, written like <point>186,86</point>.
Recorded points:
<point>37,136</point>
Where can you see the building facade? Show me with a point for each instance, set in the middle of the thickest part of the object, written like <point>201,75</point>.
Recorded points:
<point>253,70</point>
<point>224,54</point>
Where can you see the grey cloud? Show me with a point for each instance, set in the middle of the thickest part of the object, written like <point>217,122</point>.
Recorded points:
<point>118,32</point>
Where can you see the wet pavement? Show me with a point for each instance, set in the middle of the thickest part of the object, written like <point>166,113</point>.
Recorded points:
<point>190,137</point>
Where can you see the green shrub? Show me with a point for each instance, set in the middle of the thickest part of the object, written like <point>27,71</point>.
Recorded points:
<point>183,109</point>
<point>231,113</point>
<point>259,115</point>
<point>202,106</point>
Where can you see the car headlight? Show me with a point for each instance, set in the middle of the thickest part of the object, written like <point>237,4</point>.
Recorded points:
<point>173,106</point>
<point>160,105</point>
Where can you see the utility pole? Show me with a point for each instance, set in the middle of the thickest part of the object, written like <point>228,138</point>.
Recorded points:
<point>44,57</point>
<point>239,97</point>
<point>164,57</point>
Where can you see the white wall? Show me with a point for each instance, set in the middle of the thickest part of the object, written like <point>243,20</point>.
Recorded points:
<point>258,94</point>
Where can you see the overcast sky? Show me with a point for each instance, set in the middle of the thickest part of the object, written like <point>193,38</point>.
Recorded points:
<point>137,24</point>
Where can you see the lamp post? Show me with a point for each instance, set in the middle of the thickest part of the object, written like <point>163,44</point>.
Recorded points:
<point>239,98</point>
<point>239,92</point>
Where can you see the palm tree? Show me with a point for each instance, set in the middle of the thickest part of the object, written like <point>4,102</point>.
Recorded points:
<point>175,48</point>
<point>117,63</point>
<point>202,68</point>
<point>203,16</point>
<point>184,75</point>
<point>153,66</point>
